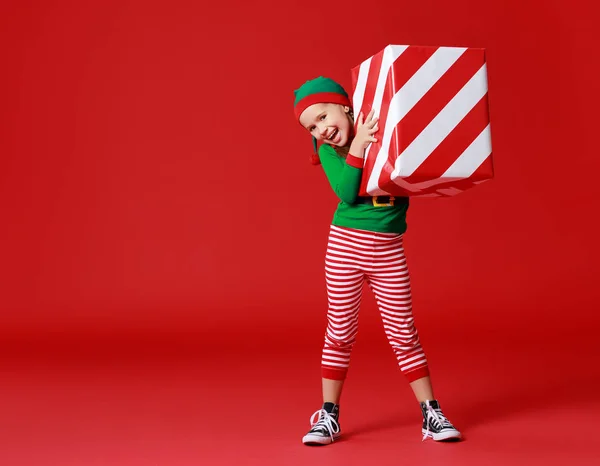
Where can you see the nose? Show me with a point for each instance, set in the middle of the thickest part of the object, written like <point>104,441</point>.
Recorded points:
<point>322,130</point>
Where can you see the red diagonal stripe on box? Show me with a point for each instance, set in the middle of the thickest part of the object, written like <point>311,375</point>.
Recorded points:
<point>485,171</point>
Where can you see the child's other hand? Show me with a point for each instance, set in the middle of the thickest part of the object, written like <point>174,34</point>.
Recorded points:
<point>364,134</point>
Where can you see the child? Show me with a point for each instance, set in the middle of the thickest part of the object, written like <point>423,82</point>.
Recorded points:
<point>365,242</point>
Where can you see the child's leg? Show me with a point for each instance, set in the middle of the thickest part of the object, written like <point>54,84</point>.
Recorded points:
<point>422,389</point>
<point>390,281</point>
<point>344,291</point>
<point>332,391</point>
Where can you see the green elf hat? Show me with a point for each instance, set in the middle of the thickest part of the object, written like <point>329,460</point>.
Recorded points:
<point>320,90</point>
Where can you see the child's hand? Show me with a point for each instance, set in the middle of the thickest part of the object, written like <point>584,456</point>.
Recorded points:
<point>364,134</point>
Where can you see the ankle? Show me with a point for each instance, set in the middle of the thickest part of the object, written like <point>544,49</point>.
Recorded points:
<point>332,408</point>
<point>432,402</point>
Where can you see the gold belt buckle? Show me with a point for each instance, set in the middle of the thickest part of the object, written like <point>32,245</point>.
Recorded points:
<point>384,204</point>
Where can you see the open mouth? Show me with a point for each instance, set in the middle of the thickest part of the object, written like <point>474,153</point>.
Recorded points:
<point>333,135</point>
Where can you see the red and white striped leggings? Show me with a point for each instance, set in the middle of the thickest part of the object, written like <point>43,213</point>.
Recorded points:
<point>353,256</point>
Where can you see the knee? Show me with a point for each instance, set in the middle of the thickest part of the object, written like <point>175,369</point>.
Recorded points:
<point>334,342</point>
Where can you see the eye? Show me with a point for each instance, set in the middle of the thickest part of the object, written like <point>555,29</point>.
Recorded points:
<point>323,117</point>
<point>311,129</point>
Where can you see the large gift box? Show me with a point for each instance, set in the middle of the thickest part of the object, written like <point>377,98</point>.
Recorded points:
<point>434,126</point>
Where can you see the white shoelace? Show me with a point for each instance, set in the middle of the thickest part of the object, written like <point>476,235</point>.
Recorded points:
<point>438,417</point>
<point>324,419</point>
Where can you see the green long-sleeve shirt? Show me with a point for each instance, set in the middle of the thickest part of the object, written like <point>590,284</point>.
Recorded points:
<point>344,176</point>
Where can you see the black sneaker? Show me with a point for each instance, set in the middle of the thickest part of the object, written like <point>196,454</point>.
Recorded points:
<point>325,428</point>
<point>435,424</point>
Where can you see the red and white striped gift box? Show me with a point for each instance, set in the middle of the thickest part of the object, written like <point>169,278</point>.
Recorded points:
<point>434,127</point>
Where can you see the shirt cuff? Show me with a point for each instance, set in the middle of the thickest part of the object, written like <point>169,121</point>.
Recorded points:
<point>354,161</point>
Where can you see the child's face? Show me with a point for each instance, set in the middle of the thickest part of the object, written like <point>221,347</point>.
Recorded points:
<point>329,123</point>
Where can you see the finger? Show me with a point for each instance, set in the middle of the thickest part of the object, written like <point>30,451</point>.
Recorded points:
<point>360,119</point>
<point>370,116</point>
<point>371,139</point>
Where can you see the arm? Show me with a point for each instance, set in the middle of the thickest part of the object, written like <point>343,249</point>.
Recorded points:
<point>344,176</point>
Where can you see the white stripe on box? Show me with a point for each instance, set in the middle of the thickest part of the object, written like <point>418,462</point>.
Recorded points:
<point>441,126</point>
<point>390,55</point>
<point>407,97</point>
<point>473,156</point>
<point>361,85</point>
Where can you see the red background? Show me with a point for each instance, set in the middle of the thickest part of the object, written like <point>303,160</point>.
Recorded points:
<point>156,191</point>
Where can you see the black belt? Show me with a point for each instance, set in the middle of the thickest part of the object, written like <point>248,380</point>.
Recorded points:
<point>377,201</point>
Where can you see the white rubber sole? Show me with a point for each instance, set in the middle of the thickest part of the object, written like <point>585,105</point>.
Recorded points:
<point>448,435</point>
<point>311,439</point>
